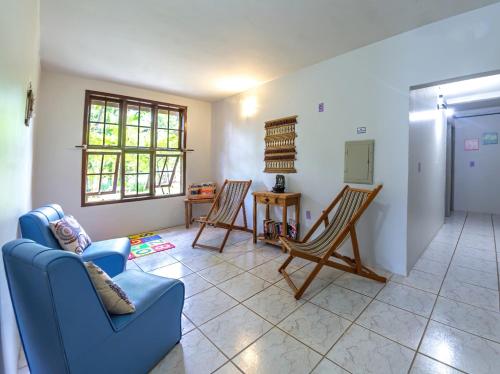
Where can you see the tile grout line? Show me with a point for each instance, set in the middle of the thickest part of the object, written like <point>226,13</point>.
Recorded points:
<point>323,356</point>
<point>354,323</point>
<point>417,351</point>
<point>271,323</point>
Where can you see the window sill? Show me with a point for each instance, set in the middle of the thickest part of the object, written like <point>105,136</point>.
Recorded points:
<point>130,200</point>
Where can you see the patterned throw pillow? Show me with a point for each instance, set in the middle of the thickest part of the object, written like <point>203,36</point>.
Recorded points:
<point>114,298</point>
<point>70,235</point>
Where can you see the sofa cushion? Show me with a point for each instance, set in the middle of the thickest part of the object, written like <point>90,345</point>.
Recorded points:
<point>113,297</point>
<point>70,235</point>
<point>144,290</point>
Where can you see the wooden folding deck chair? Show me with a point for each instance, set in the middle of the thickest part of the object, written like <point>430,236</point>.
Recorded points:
<point>224,211</point>
<point>352,204</point>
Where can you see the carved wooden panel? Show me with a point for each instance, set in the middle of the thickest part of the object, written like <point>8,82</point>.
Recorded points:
<point>280,149</point>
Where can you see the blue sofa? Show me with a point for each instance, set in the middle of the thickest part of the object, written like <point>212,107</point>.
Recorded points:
<point>64,326</point>
<point>110,255</point>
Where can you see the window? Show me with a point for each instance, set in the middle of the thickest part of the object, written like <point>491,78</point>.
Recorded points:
<point>133,149</point>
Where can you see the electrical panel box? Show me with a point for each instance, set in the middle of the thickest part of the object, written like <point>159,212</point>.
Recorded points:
<point>358,163</point>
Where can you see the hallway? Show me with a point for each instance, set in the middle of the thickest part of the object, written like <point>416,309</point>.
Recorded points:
<point>461,267</point>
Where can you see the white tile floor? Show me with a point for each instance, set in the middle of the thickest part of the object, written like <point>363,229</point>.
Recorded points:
<point>240,316</point>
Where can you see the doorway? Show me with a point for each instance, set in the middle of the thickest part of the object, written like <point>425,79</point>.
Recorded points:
<point>454,154</point>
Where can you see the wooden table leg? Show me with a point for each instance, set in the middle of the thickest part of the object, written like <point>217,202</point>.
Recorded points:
<point>186,214</point>
<point>297,219</point>
<point>190,212</point>
<point>254,220</point>
<point>284,225</point>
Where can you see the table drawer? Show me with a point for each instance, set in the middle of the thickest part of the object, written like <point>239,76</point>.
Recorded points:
<point>268,200</point>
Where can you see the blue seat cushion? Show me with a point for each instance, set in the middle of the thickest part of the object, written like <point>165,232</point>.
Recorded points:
<point>145,290</point>
<point>110,255</point>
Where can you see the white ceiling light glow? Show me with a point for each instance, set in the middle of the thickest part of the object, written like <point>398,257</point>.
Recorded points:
<point>249,106</point>
<point>472,98</point>
<point>238,83</point>
<point>465,87</point>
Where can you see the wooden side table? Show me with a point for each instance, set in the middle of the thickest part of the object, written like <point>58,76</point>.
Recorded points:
<point>284,200</point>
<point>188,208</point>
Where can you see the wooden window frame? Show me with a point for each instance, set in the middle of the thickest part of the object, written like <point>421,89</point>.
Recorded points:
<point>122,149</point>
<point>114,173</point>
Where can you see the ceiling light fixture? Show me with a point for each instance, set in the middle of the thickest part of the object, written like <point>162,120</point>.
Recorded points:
<point>477,97</point>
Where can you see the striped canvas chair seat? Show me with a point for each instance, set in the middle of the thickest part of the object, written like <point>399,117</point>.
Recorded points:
<point>349,205</point>
<point>224,211</point>
<point>229,203</point>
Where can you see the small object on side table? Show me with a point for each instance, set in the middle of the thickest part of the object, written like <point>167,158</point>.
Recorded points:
<point>279,187</point>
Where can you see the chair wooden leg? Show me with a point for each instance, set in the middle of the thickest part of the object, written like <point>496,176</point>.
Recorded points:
<point>198,235</point>
<point>308,280</point>
<point>355,249</point>
<point>225,240</point>
<point>245,224</point>
<point>285,264</point>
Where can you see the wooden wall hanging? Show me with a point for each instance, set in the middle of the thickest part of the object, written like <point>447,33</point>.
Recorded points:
<point>280,150</point>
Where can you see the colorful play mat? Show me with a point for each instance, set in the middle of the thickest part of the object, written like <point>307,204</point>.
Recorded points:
<point>147,243</point>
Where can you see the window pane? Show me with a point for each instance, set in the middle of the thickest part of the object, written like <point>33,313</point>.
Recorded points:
<point>144,137</point>
<point>112,135</point>
<point>171,162</point>
<point>145,119</point>
<point>107,183</point>
<point>97,111</point>
<point>174,120</point>
<point>109,164</point>
<point>162,138</point>
<point>170,181</point>
<point>143,183</point>
<point>92,185</point>
<point>132,115</point>
<point>130,163</point>
<point>160,178</point>
<point>93,163</point>
<point>96,134</point>
<point>173,139</point>
<point>144,163</point>
<point>162,118</point>
<point>130,184</point>
<point>112,112</point>
<point>131,136</point>
<point>160,162</point>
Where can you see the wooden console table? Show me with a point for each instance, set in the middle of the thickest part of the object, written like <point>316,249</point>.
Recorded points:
<point>284,200</point>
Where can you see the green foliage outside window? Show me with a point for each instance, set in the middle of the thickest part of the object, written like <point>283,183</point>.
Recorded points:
<point>135,154</point>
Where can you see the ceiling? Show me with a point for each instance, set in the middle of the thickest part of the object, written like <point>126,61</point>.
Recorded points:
<point>211,49</point>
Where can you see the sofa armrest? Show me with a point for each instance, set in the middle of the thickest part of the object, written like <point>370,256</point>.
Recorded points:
<point>110,255</point>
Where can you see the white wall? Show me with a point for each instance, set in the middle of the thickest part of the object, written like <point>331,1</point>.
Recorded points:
<point>19,65</point>
<point>367,87</point>
<point>476,188</point>
<point>426,171</point>
<point>57,168</point>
